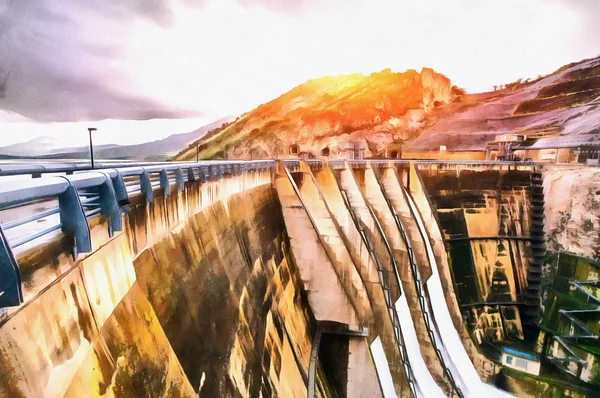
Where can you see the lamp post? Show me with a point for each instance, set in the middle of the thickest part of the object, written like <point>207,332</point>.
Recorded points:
<point>90,129</point>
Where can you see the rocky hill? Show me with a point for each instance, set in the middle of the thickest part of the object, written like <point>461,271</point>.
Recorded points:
<point>412,110</point>
<point>558,110</point>
<point>317,117</point>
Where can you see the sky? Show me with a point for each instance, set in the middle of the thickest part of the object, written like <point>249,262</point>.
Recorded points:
<point>76,61</point>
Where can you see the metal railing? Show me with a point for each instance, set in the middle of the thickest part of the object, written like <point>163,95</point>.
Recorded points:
<point>336,164</point>
<point>293,165</point>
<point>314,164</point>
<point>427,316</point>
<point>571,358</point>
<point>66,203</point>
<point>331,257</point>
<point>106,190</point>
<point>38,170</point>
<point>410,377</point>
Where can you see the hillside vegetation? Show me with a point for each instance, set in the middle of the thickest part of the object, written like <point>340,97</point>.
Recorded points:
<point>416,110</point>
<point>321,114</point>
<point>564,104</point>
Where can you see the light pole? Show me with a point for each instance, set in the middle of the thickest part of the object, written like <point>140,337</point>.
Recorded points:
<point>90,129</point>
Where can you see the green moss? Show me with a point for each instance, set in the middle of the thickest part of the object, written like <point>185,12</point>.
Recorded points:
<point>211,153</point>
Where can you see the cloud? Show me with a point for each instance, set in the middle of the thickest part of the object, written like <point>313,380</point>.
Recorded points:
<point>60,60</point>
<point>73,60</point>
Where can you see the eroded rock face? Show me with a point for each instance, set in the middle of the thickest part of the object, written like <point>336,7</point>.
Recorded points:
<point>436,87</point>
<point>572,209</point>
<point>418,112</point>
<point>552,107</point>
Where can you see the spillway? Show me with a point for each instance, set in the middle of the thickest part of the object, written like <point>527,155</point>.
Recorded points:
<point>267,278</point>
<point>453,350</point>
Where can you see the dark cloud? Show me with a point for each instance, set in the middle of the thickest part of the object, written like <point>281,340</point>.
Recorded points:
<point>58,58</point>
<point>62,60</point>
<point>55,98</point>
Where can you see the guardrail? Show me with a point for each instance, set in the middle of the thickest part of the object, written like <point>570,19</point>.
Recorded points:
<point>293,165</point>
<point>418,284</point>
<point>37,170</point>
<point>392,312</point>
<point>78,193</point>
<point>67,202</point>
<point>70,168</point>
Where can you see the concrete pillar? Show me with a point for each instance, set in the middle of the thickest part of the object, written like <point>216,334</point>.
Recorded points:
<point>339,201</point>
<point>371,187</point>
<point>362,378</point>
<point>327,298</point>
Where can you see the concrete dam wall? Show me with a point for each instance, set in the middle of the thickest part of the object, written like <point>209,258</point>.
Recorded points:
<point>304,278</point>
<point>197,294</point>
<point>487,216</point>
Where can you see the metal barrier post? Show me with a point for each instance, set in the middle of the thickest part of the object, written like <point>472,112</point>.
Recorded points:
<point>146,186</point>
<point>164,182</point>
<point>119,188</point>
<point>73,220</point>
<point>190,173</point>
<point>179,179</point>
<point>110,206</point>
<point>201,174</point>
<point>11,293</point>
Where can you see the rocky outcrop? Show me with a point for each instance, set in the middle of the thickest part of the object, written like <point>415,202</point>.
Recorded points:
<point>413,113</point>
<point>572,209</point>
<point>436,88</point>
<point>318,117</point>
<point>562,104</point>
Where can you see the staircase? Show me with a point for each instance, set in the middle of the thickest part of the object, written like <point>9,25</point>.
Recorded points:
<point>538,251</point>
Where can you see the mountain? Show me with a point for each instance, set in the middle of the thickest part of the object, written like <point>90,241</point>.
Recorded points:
<point>415,111</point>
<point>320,115</point>
<point>558,110</point>
<point>35,147</point>
<point>159,150</point>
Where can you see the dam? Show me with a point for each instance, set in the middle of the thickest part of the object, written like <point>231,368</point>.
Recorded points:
<point>291,278</point>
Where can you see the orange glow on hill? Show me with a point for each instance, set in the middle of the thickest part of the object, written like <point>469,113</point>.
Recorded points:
<point>379,108</point>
